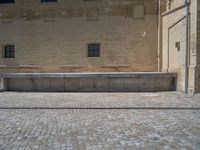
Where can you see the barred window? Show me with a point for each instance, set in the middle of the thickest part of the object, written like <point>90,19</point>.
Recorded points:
<point>93,50</point>
<point>9,51</point>
<point>6,1</point>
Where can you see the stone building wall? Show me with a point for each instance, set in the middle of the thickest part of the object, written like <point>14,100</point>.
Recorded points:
<point>174,42</point>
<point>53,37</point>
<point>172,4</point>
<point>198,49</point>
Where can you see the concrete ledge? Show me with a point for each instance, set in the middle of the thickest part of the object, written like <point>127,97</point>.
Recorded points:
<point>90,82</point>
<point>88,75</point>
<point>2,85</point>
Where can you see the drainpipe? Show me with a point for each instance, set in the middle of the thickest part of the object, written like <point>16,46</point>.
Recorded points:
<point>159,35</point>
<point>187,48</point>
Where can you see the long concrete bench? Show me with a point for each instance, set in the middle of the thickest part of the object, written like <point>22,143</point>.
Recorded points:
<point>94,82</point>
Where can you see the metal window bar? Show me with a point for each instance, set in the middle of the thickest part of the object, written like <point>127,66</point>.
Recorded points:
<point>9,51</point>
<point>93,50</point>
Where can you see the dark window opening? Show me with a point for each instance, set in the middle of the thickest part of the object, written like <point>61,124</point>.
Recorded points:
<point>6,1</point>
<point>47,1</point>
<point>169,4</point>
<point>9,51</point>
<point>93,50</point>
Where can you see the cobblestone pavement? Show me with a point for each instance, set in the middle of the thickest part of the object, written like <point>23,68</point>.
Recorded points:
<point>99,129</point>
<point>163,99</point>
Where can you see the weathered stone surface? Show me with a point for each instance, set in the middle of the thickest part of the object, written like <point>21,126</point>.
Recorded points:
<point>53,37</point>
<point>2,84</point>
<point>86,84</point>
<point>116,84</point>
<point>20,84</point>
<point>132,84</point>
<point>101,84</point>
<point>165,84</point>
<point>147,84</point>
<point>72,84</point>
<point>42,85</point>
<point>173,31</point>
<point>57,85</point>
<point>59,82</point>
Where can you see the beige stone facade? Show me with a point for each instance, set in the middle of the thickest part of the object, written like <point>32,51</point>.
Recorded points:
<point>53,37</point>
<point>132,36</point>
<point>174,43</point>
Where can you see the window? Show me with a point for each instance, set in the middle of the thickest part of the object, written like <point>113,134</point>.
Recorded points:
<point>93,50</point>
<point>47,1</point>
<point>6,1</point>
<point>9,51</point>
<point>178,46</point>
<point>169,4</point>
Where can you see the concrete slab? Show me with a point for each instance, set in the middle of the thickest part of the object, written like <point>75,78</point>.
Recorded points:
<point>86,84</point>
<point>147,84</point>
<point>164,84</point>
<point>2,85</point>
<point>57,85</point>
<point>72,84</point>
<point>116,84</point>
<point>42,85</point>
<point>20,85</point>
<point>101,84</point>
<point>132,84</point>
<point>88,74</point>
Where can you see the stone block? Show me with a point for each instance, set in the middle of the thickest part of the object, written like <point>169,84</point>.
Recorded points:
<point>42,85</point>
<point>139,12</point>
<point>131,84</point>
<point>57,85</point>
<point>25,85</point>
<point>164,84</point>
<point>147,85</point>
<point>101,84</point>
<point>87,84</point>
<point>2,85</point>
<point>72,84</point>
<point>116,84</point>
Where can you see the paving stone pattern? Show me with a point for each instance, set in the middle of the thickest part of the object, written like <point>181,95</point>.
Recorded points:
<point>93,129</point>
<point>101,100</point>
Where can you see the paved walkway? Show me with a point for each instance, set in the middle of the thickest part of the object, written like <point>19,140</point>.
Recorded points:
<point>104,129</point>
<point>100,100</point>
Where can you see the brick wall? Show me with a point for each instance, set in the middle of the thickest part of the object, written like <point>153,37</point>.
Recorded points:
<point>53,37</point>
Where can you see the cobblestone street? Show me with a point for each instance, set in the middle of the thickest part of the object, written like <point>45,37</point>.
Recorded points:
<point>100,129</point>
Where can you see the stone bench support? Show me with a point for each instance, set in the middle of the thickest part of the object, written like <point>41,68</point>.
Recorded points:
<point>90,82</point>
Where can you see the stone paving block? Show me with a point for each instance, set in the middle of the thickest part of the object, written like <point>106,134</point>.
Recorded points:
<point>99,99</point>
<point>99,129</point>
